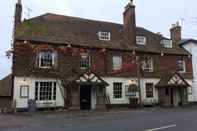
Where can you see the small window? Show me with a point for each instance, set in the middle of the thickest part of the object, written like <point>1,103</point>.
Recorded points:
<point>45,91</point>
<point>84,61</point>
<point>141,40</point>
<point>24,91</point>
<point>105,36</point>
<point>117,90</point>
<point>167,43</point>
<point>147,64</point>
<point>181,66</point>
<point>117,62</point>
<point>46,59</point>
<point>149,90</point>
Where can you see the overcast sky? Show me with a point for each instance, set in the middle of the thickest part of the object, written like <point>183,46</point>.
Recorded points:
<point>155,15</point>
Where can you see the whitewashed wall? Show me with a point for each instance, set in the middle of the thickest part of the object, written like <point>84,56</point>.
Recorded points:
<point>146,100</point>
<point>109,89</point>
<point>124,99</point>
<point>192,48</point>
<point>30,81</point>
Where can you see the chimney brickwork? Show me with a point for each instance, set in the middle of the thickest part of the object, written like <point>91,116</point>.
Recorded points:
<point>18,12</point>
<point>175,33</point>
<point>129,27</point>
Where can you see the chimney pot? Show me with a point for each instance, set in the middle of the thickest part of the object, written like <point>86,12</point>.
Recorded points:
<point>175,33</point>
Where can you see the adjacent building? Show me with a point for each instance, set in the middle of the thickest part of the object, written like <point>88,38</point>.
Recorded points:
<point>191,46</point>
<point>76,63</point>
<point>5,92</point>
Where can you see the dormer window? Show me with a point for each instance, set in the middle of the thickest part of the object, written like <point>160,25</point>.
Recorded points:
<point>141,40</point>
<point>105,36</point>
<point>167,43</point>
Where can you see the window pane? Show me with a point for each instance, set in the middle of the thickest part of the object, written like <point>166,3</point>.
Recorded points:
<point>181,67</point>
<point>149,90</point>
<point>46,59</point>
<point>117,90</point>
<point>106,36</point>
<point>84,61</point>
<point>117,62</point>
<point>47,91</point>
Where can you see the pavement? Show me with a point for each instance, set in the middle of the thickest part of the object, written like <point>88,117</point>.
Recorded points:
<point>146,119</point>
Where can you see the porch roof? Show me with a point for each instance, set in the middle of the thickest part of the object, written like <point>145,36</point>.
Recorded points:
<point>173,80</point>
<point>88,78</point>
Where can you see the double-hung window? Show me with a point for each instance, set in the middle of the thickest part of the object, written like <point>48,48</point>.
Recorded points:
<point>117,90</point>
<point>45,91</point>
<point>117,62</point>
<point>181,66</point>
<point>84,61</point>
<point>149,90</point>
<point>147,64</point>
<point>46,59</point>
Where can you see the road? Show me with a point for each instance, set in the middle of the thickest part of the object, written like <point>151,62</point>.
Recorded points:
<point>147,119</point>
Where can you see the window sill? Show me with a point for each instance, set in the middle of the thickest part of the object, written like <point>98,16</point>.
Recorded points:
<point>45,67</point>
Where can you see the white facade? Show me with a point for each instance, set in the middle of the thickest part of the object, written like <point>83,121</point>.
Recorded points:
<point>192,48</point>
<point>125,99</point>
<point>145,100</point>
<point>21,102</point>
<point>154,99</point>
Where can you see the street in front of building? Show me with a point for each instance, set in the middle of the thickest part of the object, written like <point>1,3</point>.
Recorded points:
<point>147,119</point>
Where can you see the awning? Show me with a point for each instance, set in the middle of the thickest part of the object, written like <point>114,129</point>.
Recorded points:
<point>173,80</point>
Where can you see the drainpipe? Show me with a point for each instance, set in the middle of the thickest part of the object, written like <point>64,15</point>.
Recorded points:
<point>138,78</point>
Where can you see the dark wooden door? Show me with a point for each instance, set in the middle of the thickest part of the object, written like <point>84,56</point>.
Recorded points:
<point>85,98</point>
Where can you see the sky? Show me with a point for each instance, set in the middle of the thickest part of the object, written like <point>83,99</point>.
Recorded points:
<point>155,15</point>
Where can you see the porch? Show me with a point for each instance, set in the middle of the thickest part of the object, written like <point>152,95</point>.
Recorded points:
<point>173,91</point>
<point>86,92</point>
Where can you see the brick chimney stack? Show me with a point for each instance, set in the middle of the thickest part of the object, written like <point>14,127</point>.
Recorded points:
<point>129,27</point>
<point>18,12</point>
<point>175,33</point>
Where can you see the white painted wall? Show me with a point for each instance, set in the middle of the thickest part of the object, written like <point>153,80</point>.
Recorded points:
<point>124,99</point>
<point>109,89</point>
<point>192,48</point>
<point>30,81</point>
<point>146,100</point>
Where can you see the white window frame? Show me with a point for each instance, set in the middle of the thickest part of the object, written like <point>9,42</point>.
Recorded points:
<point>149,91</point>
<point>24,91</point>
<point>148,65</point>
<point>118,91</point>
<point>53,91</point>
<point>40,60</point>
<point>104,36</point>
<point>183,65</point>
<point>167,43</point>
<point>117,62</point>
<point>141,40</point>
<point>84,60</point>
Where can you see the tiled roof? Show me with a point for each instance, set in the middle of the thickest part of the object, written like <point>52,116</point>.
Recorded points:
<point>59,29</point>
<point>172,80</point>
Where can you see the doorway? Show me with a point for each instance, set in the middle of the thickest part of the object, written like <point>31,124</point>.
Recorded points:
<point>85,97</point>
